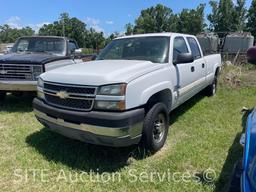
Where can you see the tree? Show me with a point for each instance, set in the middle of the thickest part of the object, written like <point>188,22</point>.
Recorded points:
<point>240,15</point>
<point>155,19</point>
<point>66,26</point>
<point>75,29</point>
<point>226,16</point>
<point>162,19</point>
<point>129,29</point>
<point>111,37</point>
<point>10,35</point>
<point>191,21</point>
<point>251,24</point>
<point>94,39</point>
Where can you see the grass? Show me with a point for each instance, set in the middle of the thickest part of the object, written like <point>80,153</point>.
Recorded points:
<point>204,136</point>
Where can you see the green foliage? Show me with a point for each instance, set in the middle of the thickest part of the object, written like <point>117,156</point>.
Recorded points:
<point>252,18</point>
<point>93,39</point>
<point>75,29</point>
<point>155,19</point>
<point>191,21</point>
<point>65,26</point>
<point>129,29</point>
<point>226,16</point>
<point>111,37</point>
<point>10,35</point>
<point>88,51</point>
<point>240,15</point>
<point>162,19</point>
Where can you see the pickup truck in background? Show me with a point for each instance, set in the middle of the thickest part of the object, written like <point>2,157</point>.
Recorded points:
<point>31,56</point>
<point>126,95</point>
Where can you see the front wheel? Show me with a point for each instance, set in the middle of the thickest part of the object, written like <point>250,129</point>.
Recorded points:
<point>155,128</point>
<point>2,95</point>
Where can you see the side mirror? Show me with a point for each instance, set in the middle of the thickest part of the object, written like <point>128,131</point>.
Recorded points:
<point>76,53</point>
<point>184,58</point>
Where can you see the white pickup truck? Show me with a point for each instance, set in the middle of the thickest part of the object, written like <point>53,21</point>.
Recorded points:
<point>126,95</point>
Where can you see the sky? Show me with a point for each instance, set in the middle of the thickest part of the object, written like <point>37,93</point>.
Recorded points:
<point>108,16</point>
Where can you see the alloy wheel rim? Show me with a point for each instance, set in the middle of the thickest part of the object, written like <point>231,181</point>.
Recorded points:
<point>159,128</point>
<point>214,87</point>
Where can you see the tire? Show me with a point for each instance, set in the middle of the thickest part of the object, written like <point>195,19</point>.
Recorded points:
<point>212,89</point>
<point>2,95</point>
<point>155,128</point>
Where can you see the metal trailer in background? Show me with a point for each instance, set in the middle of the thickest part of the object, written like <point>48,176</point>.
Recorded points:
<point>233,46</point>
<point>209,42</point>
<point>238,42</point>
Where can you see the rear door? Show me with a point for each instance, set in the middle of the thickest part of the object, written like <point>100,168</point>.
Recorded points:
<point>198,66</point>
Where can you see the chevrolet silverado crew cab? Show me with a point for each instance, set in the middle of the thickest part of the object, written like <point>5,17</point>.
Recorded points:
<point>31,56</point>
<point>125,96</point>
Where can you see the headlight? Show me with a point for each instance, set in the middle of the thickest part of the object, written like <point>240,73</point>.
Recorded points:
<point>40,86</point>
<point>114,90</point>
<point>40,94</point>
<point>110,105</point>
<point>40,83</point>
<point>37,70</point>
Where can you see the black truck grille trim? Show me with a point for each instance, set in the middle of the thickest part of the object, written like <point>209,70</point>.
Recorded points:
<point>18,72</point>
<point>72,97</point>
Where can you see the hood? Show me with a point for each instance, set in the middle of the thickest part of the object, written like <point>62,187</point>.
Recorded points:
<point>101,72</point>
<point>29,58</point>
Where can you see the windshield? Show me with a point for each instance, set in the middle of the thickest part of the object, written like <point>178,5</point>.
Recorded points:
<point>154,49</point>
<point>54,46</point>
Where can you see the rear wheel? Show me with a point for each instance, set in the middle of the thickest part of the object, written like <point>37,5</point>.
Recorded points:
<point>212,89</point>
<point>155,128</point>
<point>2,95</point>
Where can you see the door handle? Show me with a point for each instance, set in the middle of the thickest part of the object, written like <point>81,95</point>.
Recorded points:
<point>192,69</point>
<point>203,65</point>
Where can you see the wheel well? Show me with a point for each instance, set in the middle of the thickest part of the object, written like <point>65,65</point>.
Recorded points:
<point>217,72</point>
<point>164,96</point>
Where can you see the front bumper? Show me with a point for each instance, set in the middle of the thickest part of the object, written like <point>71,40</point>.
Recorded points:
<point>18,85</point>
<point>116,129</point>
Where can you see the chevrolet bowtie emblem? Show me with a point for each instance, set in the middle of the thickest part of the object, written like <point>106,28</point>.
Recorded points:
<point>3,72</point>
<point>62,94</point>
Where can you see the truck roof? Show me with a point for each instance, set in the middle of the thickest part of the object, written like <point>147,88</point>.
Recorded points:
<point>59,37</point>
<point>164,34</point>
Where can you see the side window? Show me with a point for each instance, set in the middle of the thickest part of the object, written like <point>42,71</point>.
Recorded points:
<point>71,46</point>
<point>179,46</point>
<point>194,48</point>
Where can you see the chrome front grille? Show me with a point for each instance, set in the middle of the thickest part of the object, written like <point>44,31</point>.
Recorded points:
<point>19,71</point>
<point>74,97</point>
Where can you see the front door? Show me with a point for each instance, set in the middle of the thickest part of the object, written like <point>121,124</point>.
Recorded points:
<point>185,72</point>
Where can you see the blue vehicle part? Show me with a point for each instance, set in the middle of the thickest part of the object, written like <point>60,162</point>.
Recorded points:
<point>248,179</point>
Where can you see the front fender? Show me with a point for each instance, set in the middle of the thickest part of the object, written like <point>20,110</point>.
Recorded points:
<point>150,91</point>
